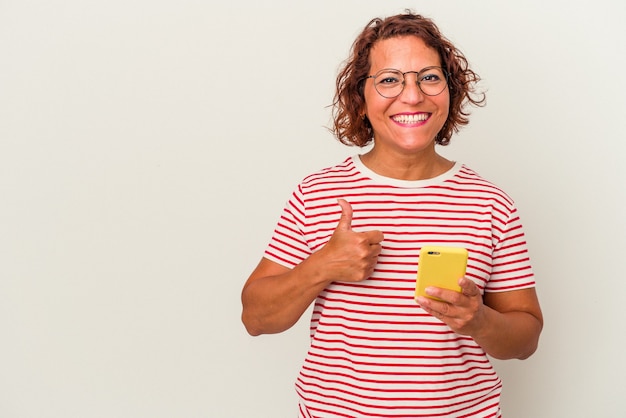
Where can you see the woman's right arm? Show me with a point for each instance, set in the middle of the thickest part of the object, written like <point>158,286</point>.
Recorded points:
<point>275,297</point>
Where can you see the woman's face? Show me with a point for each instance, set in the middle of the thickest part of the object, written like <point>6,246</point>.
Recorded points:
<point>409,122</point>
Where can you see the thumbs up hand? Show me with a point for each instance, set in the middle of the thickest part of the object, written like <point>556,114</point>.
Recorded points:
<point>350,256</point>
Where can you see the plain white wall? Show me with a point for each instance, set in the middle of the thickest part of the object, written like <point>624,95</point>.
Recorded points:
<point>147,147</point>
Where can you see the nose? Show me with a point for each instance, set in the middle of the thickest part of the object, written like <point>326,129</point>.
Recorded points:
<point>411,92</point>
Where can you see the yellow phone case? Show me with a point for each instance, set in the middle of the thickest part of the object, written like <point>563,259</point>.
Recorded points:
<point>440,266</point>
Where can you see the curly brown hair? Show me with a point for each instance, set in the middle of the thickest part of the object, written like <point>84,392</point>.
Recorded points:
<point>351,127</point>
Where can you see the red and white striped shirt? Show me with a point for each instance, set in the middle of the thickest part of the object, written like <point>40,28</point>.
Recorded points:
<point>374,352</point>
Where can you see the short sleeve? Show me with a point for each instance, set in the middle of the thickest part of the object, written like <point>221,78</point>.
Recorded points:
<point>511,267</point>
<point>288,245</point>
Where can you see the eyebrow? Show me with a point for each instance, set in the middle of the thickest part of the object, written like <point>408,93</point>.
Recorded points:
<point>409,71</point>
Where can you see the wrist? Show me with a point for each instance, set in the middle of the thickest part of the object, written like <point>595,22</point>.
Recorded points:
<point>312,271</point>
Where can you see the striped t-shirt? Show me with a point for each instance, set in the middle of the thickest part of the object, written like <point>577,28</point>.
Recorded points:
<point>374,352</point>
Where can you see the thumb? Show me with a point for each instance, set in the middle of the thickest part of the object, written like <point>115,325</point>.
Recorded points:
<point>345,222</point>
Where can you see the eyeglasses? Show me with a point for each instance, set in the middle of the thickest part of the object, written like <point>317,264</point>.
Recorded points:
<point>390,83</point>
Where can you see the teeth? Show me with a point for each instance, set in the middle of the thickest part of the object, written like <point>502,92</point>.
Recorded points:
<point>411,118</point>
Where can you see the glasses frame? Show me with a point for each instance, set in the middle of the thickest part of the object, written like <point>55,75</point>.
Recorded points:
<point>417,75</point>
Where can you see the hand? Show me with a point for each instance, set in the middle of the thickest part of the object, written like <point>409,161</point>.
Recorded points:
<point>463,312</point>
<point>348,255</point>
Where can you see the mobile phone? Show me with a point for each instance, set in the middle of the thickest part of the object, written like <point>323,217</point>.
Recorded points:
<point>440,266</point>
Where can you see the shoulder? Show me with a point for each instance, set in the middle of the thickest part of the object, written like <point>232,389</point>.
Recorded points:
<point>469,180</point>
<point>336,173</point>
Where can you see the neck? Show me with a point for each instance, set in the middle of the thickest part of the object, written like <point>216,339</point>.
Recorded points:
<point>421,166</point>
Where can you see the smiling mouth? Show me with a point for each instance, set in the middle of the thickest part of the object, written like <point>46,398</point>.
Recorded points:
<point>408,119</point>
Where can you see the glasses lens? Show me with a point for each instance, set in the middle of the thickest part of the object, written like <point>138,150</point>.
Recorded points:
<point>432,81</point>
<point>389,83</point>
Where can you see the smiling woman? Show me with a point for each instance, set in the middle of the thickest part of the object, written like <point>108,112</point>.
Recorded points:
<point>147,149</point>
<point>350,236</point>
<point>349,126</point>
<point>406,124</point>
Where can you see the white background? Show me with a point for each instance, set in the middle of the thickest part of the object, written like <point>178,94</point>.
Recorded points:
<point>147,148</point>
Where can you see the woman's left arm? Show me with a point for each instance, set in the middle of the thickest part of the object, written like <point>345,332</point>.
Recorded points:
<point>505,324</point>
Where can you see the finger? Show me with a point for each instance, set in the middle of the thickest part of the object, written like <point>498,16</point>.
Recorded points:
<point>433,307</point>
<point>374,237</point>
<point>468,287</point>
<point>345,222</point>
<point>375,249</point>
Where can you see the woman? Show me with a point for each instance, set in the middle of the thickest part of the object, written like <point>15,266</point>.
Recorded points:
<point>349,240</point>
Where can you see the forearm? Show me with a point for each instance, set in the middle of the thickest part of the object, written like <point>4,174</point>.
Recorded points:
<point>274,303</point>
<point>508,335</point>
<point>505,324</point>
<point>275,297</point>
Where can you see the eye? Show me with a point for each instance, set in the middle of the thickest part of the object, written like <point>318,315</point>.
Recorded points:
<point>432,76</point>
<point>389,78</point>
